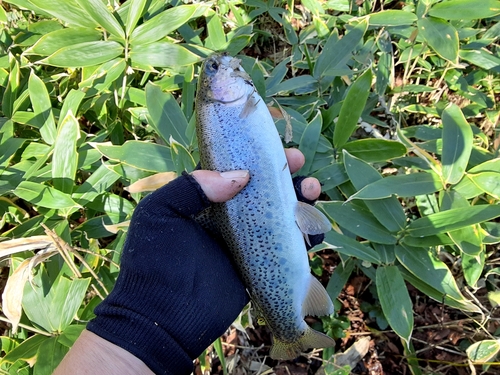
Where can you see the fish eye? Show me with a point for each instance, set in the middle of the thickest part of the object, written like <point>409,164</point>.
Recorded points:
<point>211,66</point>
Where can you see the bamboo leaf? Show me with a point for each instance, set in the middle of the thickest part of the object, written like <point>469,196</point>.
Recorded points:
<point>453,219</point>
<point>351,247</point>
<point>309,143</point>
<point>65,156</point>
<point>352,108</point>
<point>408,185</point>
<point>135,11</point>
<point>392,18</point>
<point>42,108</point>
<point>395,301</point>
<point>161,54</point>
<point>375,150</point>
<point>465,9</point>
<point>66,10</point>
<point>141,155</point>
<point>441,37</point>
<point>457,144</point>
<point>85,54</point>
<point>388,211</point>
<point>101,14</point>
<point>44,196</point>
<point>336,51</point>
<point>483,351</point>
<point>51,42</point>
<point>358,220</point>
<point>164,23</point>
<point>98,183</point>
<point>165,115</point>
<point>488,182</point>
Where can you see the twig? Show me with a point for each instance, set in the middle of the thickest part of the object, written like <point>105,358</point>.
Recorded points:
<point>29,328</point>
<point>431,346</point>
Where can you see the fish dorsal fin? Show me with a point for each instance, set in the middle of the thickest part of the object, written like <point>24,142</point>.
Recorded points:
<point>317,302</point>
<point>311,220</point>
<point>250,107</point>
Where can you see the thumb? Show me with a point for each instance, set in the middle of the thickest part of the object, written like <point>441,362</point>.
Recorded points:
<point>221,186</point>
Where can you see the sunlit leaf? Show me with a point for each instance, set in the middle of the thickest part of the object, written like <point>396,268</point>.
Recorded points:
<point>441,37</point>
<point>395,301</point>
<point>457,144</point>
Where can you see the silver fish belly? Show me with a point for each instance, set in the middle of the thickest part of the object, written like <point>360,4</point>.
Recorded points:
<point>263,225</point>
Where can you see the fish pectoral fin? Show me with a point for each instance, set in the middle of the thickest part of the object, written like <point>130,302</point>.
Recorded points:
<point>310,339</point>
<point>317,301</point>
<point>310,220</point>
<point>250,107</point>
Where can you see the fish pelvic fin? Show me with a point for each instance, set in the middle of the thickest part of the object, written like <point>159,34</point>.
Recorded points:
<point>317,301</point>
<point>310,220</point>
<point>310,339</point>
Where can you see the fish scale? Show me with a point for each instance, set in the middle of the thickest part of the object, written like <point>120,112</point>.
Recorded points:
<point>235,131</point>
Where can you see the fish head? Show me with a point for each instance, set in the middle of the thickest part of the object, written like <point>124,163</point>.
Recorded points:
<point>223,80</point>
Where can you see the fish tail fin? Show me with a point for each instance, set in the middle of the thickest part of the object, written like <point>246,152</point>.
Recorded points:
<point>310,339</point>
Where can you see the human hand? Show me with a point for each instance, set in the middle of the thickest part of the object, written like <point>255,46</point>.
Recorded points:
<point>177,290</point>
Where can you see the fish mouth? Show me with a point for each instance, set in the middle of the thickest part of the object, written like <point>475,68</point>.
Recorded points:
<point>223,73</point>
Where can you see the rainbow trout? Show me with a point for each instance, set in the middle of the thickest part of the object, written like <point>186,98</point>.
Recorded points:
<point>264,225</point>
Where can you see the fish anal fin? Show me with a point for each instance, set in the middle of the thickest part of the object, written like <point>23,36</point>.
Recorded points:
<point>317,301</point>
<point>310,220</point>
<point>310,339</point>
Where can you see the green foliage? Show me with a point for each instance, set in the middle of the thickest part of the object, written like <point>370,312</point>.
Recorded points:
<point>98,95</point>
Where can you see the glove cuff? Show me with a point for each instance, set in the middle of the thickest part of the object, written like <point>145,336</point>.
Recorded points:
<point>142,338</point>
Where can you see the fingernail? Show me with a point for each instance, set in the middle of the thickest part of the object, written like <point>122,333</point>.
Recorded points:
<point>235,174</point>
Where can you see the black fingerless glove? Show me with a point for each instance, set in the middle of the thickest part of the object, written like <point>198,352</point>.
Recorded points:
<point>177,290</point>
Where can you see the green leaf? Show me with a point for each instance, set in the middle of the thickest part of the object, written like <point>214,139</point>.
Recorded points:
<point>489,182</point>
<point>457,144</point>
<point>351,247</point>
<point>138,154</point>
<point>65,157</point>
<point>164,23</point>
<point>392,18</point>
<point>388,211</point>
<point>165,115</point>
<point>51,42</point>
<point>432,272</point>
<point>44,196</point>
<point>98,183</point>
<point>441,37</point>
<point>473,267</point>
<point>71,103</point>
<point>70,334</point>
<point>309,143</point>
<point>408,185</point>
<point>482,58</point>
<point>162,54</point>
<point>375,150</point>
<point>26,350</point>
<point>49,355</point>
<point>8,148</point>
<point>465,9</point>
<point>303,84</point>
<point>453,219</point>
<point>84,54</point>
<point>135,11</point>
<point>336,52</point>
<point>352,108</point>
<point>101,14</point>
<point>42,108</point>
<point>395,301</point>
<point>358,220</point>
<point>339,277</point>
<point>483,351</point>
<point>66,10</point>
